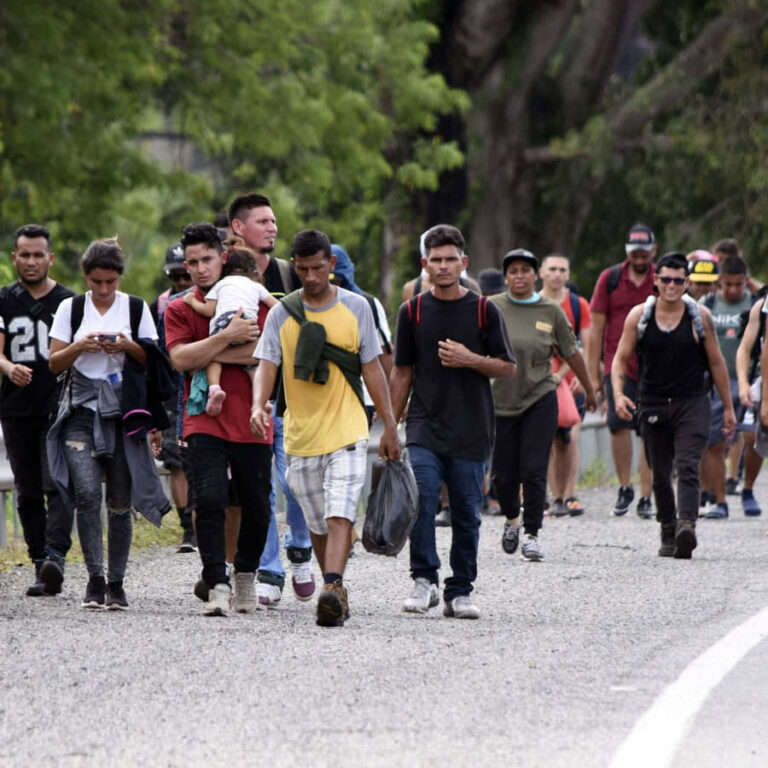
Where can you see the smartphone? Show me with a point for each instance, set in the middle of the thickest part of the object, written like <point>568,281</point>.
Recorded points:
<point>105,337</point>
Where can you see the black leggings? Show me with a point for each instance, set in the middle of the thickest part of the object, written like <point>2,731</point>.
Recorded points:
<point>521,456</point>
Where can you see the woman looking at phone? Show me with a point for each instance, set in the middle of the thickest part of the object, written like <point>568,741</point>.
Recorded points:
<point>88,440</point>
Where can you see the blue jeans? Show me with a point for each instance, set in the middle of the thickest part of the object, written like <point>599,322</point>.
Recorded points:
<point>297,540</point>
<point>464,479</point>
<point>86,471</point>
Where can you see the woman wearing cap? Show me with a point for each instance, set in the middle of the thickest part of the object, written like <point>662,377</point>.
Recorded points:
<point>526,405</point>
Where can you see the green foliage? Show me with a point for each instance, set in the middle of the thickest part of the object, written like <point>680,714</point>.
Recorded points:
<point>326,106</point>
<point>696,173</point>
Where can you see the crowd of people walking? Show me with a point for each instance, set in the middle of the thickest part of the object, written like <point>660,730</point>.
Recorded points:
<point>249,368</point>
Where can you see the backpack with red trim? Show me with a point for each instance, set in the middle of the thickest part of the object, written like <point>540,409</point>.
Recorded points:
<point>414,311</point>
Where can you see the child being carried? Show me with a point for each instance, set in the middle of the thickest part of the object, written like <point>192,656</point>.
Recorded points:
<point>239,288</point>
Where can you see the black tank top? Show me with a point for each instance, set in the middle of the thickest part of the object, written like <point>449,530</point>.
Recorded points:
<point>673,365</point>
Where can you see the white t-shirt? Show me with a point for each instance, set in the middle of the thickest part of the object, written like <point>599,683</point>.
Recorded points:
<point>117,319</point>
<point>235,291</point>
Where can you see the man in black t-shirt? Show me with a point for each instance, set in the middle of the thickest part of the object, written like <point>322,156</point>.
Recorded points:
<point>450,341</point>
<point>28,400</point>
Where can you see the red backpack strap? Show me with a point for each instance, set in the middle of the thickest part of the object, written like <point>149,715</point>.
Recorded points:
<point>414,309</point>
<point>482,312</point>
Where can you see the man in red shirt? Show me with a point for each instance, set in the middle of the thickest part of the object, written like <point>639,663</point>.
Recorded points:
<point>564,461</point>
<point>216,444</point>
<point>618,289</point>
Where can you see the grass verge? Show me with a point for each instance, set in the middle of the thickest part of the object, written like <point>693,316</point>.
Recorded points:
<point>145,535</point>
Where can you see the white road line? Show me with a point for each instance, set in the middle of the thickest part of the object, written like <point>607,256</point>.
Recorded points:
<point>657,734</point>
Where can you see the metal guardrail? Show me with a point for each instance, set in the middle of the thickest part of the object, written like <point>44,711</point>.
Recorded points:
<point>594,445</point>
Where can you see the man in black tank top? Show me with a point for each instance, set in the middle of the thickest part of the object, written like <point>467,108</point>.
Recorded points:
<point>677,346</point>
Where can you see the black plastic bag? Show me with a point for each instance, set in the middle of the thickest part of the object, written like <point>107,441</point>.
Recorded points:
<point>393,505</point>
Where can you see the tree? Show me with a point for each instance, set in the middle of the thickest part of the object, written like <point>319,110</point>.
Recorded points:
<point>587,116</point>
<point>326,106</point>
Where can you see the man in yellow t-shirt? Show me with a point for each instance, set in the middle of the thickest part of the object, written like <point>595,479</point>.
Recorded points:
<point>326,429</point>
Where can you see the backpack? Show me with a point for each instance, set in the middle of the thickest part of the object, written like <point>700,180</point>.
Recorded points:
<point>135,306</point>
<point>754,353</point>
<point>414,310</point>
<point>384,341</point>
<point>693,309</point>
<point>576,312</point>
<point>285,275</point>
<point>614,275</point>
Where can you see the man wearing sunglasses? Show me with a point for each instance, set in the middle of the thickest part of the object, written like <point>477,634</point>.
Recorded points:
<point>676,344</point>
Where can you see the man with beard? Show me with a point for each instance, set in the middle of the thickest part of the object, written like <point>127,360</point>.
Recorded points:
<point>618,289</point>
<point>251,217</point>
<point>28,399</point>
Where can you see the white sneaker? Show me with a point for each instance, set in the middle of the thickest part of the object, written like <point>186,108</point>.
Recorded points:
<point>461,607</point>
<point>423,597</point>
<point>302,580</point>
<point>530,550</point>
<point>244,600</point>
<point>219,599</point>
<point>269,594</point>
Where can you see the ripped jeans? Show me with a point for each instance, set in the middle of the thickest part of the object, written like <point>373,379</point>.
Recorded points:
<point>86,471</point>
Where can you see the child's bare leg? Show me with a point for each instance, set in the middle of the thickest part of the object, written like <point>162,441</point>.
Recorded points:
<point>216,395</point>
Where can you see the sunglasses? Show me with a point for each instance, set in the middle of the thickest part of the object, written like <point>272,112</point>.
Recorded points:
<point>174,276</point>
<point>676,280</point>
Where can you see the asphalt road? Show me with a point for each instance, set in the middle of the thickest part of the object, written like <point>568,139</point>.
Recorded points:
<point>568,655</point>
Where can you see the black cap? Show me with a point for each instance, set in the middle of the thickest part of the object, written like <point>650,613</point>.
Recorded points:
<point>640,238</point>
<point>519,254</point>
<point>491,281</point>
<point>174,258</point>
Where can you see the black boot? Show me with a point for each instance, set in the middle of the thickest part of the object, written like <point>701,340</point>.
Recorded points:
<point>685,539</point>
<point>667,548</point>
<point>38,588</point>
<point>52,574</point>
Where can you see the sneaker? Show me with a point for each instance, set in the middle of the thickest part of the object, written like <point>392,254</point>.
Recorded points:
<point>706,498</point>
<point>219,600</point>
<point>188,541</point>
<point>732,486</point>
<point>511,536</point>
<point>749,504</point>
<point>116,600</point>
<point>625,498</point>
<point>667,548</point>
<point>574,506</point>
<point>718,512</point>
<point>461,607</point>
<point>94,593</point>
<point>216,398</point>
<point>269,594</point>
<point>201,590</point>
<point>52,575</point>
<point>302,581</point>
<point>530,550</point>
<point>645,508</point>
<point>332,605</point>
<point>244,600</point>
<point>685,539</point>
<point>558,508</point>
<point>423,597</point>
<point>443,518</point>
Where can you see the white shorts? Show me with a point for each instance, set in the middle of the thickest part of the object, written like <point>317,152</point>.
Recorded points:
<point>328,485</point>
